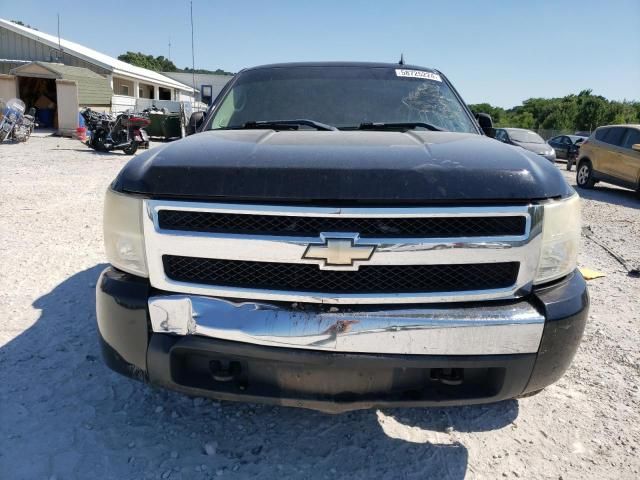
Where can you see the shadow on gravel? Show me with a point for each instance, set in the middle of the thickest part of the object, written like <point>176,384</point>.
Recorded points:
<point>64,414</point>
<point>613,195</point>
<point>97,152</point>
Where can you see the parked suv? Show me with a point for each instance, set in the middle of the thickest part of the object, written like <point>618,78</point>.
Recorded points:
<point>340,236</point>
<point>611,154</point>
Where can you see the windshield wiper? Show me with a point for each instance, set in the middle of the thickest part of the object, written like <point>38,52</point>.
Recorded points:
<point>398,126</point>
<point>285,125</point>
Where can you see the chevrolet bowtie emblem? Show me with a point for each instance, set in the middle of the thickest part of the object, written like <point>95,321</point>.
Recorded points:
<point>338,252</point>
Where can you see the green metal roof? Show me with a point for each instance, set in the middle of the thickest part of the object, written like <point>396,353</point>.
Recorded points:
<point>93,88</point>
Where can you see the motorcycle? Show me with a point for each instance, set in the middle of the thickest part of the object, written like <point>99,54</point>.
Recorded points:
<point>97,125</point>
<point>12,114</point>
<point>24,128</point>
<point>124,132</point>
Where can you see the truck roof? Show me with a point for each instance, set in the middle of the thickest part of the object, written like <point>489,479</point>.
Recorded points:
<point>342,64</point>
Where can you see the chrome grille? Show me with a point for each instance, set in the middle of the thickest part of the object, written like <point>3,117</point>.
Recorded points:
<point>422,255</point>
<point>371,279</point>
<point>286,225</point>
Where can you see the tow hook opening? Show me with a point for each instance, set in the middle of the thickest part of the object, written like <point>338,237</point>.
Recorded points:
<point>448,376</point>
<point>224,370</point>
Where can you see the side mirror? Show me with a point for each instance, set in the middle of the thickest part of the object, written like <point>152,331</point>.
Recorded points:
<point>486,124</point>
<point>195,122</point>
<point>636,147</point>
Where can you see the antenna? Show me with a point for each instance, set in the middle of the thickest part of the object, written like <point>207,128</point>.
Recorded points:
<point>401,62</point>
<point>169,47</point>
<point>193,60</point>
<point>59,43</point>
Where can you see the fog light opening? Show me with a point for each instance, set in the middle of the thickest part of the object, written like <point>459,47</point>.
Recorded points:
<point>448,376</point>
<point>224,371</point>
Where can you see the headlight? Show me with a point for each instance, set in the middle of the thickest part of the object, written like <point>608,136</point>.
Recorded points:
<point>560,239</point>
<point>123,234</point>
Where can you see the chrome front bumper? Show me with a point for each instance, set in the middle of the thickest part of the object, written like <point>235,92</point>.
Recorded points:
<point>479,330</point>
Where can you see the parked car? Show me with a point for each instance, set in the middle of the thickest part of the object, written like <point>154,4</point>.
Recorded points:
<point>611,154</point>
<point>567,146</point>
<point>526,139</point>
<point>340,236</point>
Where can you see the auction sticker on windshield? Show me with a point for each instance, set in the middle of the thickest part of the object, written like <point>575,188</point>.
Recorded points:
<point>400,72</point>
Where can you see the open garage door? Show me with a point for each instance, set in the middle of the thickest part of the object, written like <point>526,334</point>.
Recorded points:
<point>40,93</point>
<point>57,91</point>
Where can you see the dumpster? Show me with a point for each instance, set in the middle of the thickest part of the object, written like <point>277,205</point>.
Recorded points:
<point>154,129</point>
<point>172,127</point>
<point>164,125</point>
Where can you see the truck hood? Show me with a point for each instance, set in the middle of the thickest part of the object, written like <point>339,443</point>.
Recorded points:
<point>343,166</point>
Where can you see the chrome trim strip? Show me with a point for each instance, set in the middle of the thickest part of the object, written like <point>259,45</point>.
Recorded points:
<point>353,212</point>
<point>524,249</point>
<point>487,330</point>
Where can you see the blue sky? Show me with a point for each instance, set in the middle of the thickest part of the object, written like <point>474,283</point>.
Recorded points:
<point>501,52</point>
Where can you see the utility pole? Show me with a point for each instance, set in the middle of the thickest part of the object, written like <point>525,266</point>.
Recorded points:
<point>169,47</point>
<point>193,61</point>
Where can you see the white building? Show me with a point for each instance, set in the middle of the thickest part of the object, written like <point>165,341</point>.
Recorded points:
<point>208,85</point>
<point>129,85</point>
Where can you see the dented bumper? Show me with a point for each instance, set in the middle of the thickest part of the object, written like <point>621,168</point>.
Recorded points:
<point>434,330</point>
<point>339,359</point>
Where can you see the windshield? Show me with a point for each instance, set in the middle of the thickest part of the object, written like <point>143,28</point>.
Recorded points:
<point>525,136</point>
<point>344,97</point>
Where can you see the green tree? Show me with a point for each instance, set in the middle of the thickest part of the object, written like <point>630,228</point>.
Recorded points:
<point>524,119</point>
<point>591,113</point>
<point>636,107</point>
<point>21,23</point>
<point>217,71</point>
<point>562,114</point>
<point>497,113</point>
<point>583,111</point>
<point>621,112</point>
<point>139,59</point>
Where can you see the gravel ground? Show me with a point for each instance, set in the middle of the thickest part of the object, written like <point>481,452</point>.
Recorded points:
<point>64,415</point>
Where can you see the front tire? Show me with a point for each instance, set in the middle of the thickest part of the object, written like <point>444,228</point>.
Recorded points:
<point>131,148</point>
<point>98,141</point>
<point>584,175</point>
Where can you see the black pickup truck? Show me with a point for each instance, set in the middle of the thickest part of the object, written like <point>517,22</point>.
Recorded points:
<point>340,236</point>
